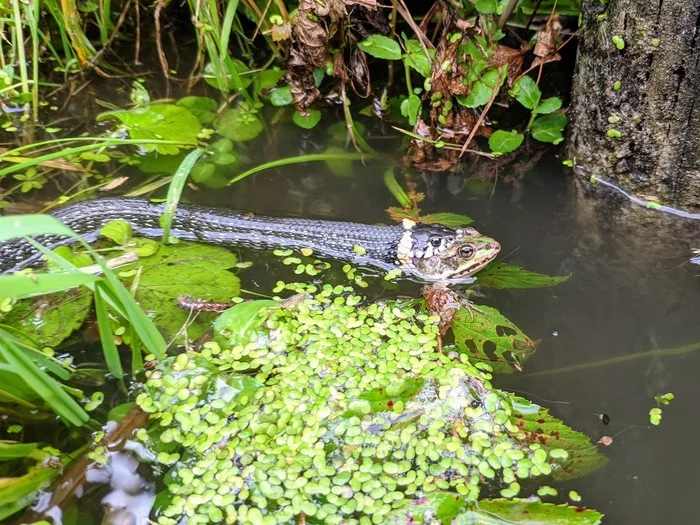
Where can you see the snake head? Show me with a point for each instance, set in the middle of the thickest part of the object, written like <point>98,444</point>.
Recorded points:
<point>439,253</point>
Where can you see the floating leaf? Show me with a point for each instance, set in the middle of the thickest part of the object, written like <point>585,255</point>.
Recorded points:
<point>526,91</point>
<point>240,321</point>
<point>548,105</point>
<point>549,128</point>
<point>155,162</point>
<point>486,335</point>
<point>309,121</point>
<point>281,96</point>
<point>507,511</point>
<point>238,126</point>
<point>505,141</point>
<point>384,399</point>
<point>204,108</point>
<point>202,273</point>
<point>502,276</point>
<point>118,231</point>
<point>380,46</point>
<point>159,121</point>
<point>552,433</point>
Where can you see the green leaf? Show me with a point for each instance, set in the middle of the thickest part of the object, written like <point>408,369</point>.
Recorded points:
<point>549,128</point>
<point>548,105</point>
<point>239,322</point>
<point>268,79</point>
<point>479,96</point>
<point>156,163</point>
<point>452,220</point>
<point>232,75</point>
<point>395,188</point>
<point>415,57</point>
<point>19,492</point>
<point>523,512</point>
<point>238,126</point>
<point>23,285</point>
<point>188,269</point>
<point>119,231</point>
<point>486,7</point>
<point>485,334</point>
<point>309,121</point>
<point>502,276</point>
<point>505,141</point>
<point>380,46</point>
<point>204,108</point>
<point>539,426</point>
<point>281,96</point>
<point>410,108</point>
<point>383,399</point>
<point>159,121</point>
<point>526,91</point>
<point>51,319</point>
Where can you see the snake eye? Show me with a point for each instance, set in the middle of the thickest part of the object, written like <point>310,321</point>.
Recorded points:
<point>435,242</point>
<point>466,251</point>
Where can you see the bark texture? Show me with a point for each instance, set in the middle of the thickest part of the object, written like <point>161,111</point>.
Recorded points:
<point>655,108</point>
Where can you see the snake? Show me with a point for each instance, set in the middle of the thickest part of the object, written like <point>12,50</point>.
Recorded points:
<point>428,252</point>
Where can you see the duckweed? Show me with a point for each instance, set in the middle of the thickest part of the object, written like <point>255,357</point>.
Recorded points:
<point>334,408</point>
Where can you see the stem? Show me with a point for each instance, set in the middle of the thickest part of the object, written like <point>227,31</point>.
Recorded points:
<point>407,70</point>
<point>22,59</point>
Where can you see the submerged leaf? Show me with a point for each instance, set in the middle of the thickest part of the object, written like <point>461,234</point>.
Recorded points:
<point>238,126</point>
<point>204,108</point>
<point>486,335</point>
<point>503,276</point>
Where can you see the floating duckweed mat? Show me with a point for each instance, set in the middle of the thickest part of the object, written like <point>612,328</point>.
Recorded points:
<point>338,411</point>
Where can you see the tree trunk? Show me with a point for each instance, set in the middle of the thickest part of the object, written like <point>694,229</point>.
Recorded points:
<point>635,111</point>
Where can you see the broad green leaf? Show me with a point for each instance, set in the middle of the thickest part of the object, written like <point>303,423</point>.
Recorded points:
<point>157,163</point>
<point>268,79</point>
<point>540,426</point>
<point>410,107</point>
<point>184,269</point>
<point>233,75</point>
<point>549,128</point>
<point>415,57</point>
<point>479,96</point>
<point>507,512</point>
<point>380,46</point>
<point>505,141</point>
<point>502,275</point>
<point>118,231</point>
<point>453,220</point>
<point>548,105</point>
<point>485,334</point>
<point>24,285</point>
<point>51,319</point>
<point>204,108</point>
<point>239,322</point>
<point>238,126</point>
<point>309,121</point>
<point>486,7</point>
<point>281,96</point>
<point>159,121</point>
<point>526,91</point>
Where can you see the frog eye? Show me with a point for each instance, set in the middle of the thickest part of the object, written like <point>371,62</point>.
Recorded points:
<point>435,242</point>
<point>466,251</point>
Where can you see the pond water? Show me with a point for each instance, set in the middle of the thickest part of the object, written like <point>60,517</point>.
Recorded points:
<point>609,337</point>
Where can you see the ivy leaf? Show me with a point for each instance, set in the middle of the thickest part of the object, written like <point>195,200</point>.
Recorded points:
<point>486,7</point>
<point>159,121</point>
<point>486,335</point>
<point>452,220</point>
<point>548,105</point>
<point>539,426</point>
<point>204,108</point>
<point>549,128</point>
<point>505,141</point>
<point>380,46</point>
<point>202,273</point>
<point>238,126</point>
<point>410,108</point>
<point>526,91</point>
<point>502,276</point>
<point>308,122</point>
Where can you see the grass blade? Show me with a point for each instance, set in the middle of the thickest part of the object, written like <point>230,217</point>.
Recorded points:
<point>175,191</point>
<point>104,327</point>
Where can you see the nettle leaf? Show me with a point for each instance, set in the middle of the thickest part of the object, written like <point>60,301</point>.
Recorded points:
<point>309,121</point>
<point>410,108</point>
<point>51,319</point>
<point>486,7</point>
<point>453,220</point>
<point>189,269</point>
<point>549,128</point>
<point>502,276</point>
<point>507,511</point>
<point>548,105</point>
<point>380,46</point>
<point>204,108</point>
<point>238,126</point>
<point>159,121</point>
<point>505,141</point>
<point>540,426</point>
<point>486,335</point>
<point>526,91</point>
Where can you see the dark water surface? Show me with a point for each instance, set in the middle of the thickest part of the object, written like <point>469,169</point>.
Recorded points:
<point>621,301</point>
